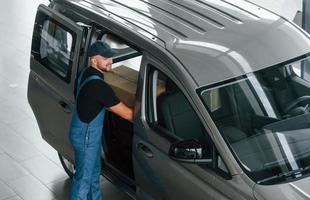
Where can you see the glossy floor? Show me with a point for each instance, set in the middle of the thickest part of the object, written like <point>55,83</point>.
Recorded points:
<point>29,167</point>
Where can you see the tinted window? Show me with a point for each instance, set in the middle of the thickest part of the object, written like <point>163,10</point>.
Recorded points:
<point>172,111</point>
<point>53,46</point>
<point>264,119</point>
<point>171,114</point>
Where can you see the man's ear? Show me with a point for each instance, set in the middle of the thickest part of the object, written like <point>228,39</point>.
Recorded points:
<point>93,61</point>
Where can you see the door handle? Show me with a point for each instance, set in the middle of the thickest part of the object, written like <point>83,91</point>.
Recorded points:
<point>64,106</point>
<point>145,150</point>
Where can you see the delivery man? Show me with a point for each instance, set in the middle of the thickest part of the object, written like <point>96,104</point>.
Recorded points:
<point>93,98</point>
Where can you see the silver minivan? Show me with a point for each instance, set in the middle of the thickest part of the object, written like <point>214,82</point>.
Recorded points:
<point>220,91</point>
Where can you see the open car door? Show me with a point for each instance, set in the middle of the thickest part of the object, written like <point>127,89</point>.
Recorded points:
<point>54,60</point>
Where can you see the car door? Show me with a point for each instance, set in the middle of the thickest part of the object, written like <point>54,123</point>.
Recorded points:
<point>54,59</point>
<point>158,176</point>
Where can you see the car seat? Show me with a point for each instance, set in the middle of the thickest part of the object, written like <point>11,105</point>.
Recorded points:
<point>282,92</point>
<point>177,116</point>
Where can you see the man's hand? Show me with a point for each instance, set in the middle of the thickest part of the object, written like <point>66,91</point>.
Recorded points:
<point>123,111</point>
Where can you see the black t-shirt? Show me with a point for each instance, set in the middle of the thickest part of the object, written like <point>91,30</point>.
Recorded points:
<point>93,96</point>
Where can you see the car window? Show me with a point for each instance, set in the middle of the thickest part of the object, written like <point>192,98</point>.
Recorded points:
<point>173,112</point>
<point>170,111</point>
<point>261,116</point>
<point>55,47</point>
<point>297,68</point>
<point>126,55</point>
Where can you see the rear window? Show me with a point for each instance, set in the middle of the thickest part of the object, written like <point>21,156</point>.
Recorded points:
<point>53,46</point>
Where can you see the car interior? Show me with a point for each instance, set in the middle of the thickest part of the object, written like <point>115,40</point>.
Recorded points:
<point>241,119</point>
<point>178,117</point>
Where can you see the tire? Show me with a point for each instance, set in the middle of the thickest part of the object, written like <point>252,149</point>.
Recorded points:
<point>67,165</point>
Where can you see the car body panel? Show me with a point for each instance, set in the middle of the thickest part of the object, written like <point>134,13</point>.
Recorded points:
<point>210,30</point>
<point>298,190</point>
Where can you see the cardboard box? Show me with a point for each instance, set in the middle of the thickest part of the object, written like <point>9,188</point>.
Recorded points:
<point>123,81</point>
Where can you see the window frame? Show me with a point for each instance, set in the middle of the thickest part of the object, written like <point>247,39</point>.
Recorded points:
<point>151,106</point>
<point>151,100</point>
<point>98,34</point>
<point>151,120</point>
<point>38,28</point>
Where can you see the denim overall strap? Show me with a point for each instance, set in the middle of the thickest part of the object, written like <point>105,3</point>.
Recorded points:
<point>93,77</point>
<point>80,77</point>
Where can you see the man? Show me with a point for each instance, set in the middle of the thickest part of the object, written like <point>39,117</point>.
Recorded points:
<point>93,97</point>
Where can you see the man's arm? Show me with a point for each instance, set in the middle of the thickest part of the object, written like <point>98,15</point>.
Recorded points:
<point>123,111</point>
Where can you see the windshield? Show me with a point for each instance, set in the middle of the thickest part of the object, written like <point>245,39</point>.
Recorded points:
<point>265,119</point>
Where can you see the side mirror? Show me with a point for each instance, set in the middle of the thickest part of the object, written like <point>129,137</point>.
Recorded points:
<point>189,151</point>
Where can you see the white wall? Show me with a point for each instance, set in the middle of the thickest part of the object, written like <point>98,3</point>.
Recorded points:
<point>285,8</point>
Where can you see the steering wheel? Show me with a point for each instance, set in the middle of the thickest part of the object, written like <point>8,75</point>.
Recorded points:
<point>301,103</point>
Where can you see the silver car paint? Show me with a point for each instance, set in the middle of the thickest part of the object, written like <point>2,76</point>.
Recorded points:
<point>214,40</point>
<point>297,190</point>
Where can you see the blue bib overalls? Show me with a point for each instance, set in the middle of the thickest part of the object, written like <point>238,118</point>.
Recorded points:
<point>86,139</point>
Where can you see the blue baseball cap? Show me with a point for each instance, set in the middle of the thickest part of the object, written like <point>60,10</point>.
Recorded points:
<point>101,48</point>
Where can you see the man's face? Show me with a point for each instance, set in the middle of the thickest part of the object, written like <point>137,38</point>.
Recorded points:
<point>103,63</point>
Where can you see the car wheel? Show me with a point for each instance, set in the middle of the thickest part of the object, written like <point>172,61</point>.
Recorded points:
<point>67,165</point>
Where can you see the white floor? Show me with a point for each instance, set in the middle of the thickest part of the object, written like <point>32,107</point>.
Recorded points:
<point>29,167</point>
